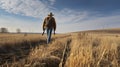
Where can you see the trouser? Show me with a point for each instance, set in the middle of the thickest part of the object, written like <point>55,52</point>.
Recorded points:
<point>49,32</point>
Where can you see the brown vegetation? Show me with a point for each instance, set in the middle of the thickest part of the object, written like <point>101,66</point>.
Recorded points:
<point>94,50</point>
<point>83,49</point>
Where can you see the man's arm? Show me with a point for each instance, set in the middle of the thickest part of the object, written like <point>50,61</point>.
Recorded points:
<point>54,26</point>
<point>43,26</point>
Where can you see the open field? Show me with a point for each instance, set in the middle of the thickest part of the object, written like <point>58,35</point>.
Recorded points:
<point>21,50</point>
<point>78,49</point>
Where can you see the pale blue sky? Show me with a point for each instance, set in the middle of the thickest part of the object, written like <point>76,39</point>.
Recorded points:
<point>71,15</point>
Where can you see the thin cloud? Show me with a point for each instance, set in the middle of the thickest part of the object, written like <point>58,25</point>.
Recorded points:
<point>70,16</point>
<point>32,8</point>
<point>52,2</point>
<point>94,23</point>
<point>25,25</point>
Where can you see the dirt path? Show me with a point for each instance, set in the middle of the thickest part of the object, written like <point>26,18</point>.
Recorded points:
<point>53,54</point>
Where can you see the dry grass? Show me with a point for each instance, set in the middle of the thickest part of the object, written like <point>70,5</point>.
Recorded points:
<point>15,39</point>
<point>94,50</point>
<point>18,50</point>
<point>86,49</point>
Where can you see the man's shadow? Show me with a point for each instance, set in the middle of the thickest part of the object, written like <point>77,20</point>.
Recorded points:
<point>14,52</point>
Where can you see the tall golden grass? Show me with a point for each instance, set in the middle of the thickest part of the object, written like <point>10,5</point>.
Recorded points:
<point>84,49</point>
<point>94,50</point>
<point>18,50</point>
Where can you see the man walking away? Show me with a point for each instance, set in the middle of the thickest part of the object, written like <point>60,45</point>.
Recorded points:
<point>49,24</point>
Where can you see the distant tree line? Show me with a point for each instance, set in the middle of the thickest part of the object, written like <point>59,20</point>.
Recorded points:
<point>5,30</point>
<point>18,30</point>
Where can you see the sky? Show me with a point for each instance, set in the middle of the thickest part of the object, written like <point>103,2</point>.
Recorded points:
<point>70,15</point>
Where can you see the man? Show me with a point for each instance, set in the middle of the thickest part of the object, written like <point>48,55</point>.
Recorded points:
<point>49,24</point>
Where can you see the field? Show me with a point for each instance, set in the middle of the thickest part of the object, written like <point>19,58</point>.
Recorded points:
<point>98,48</point>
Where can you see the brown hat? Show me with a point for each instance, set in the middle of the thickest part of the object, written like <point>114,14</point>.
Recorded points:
<point>50,14</point>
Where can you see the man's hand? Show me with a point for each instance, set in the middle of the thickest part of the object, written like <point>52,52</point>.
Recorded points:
<point>54,32</point>
<point>43,32</point>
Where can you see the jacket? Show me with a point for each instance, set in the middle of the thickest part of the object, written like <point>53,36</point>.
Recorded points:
<point>51,25</point>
